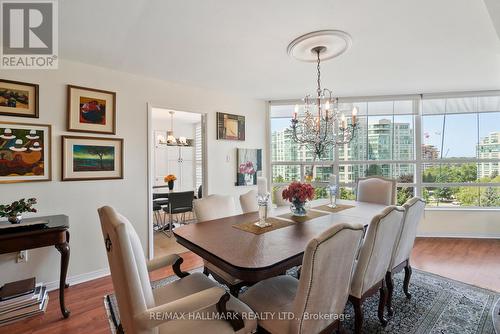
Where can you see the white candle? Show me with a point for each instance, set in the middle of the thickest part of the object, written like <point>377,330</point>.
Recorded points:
<point>354,114</point>
<point>296,111</point>
<point>343,121</point>
<point>261,185</point>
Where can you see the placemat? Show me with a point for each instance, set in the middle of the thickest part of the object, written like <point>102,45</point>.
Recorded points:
<point>252,228</point>
<point>338,208</point>
<point>311,214</point>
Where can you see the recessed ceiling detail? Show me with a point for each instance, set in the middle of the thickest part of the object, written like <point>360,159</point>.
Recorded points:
<point>332,43</point>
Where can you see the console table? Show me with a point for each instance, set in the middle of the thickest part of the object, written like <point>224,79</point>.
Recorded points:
<point>54,233</point>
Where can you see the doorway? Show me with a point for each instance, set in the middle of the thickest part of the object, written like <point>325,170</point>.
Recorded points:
<point>177,165</point>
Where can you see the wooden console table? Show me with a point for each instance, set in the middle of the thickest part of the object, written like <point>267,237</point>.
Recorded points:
<point>54,233</point>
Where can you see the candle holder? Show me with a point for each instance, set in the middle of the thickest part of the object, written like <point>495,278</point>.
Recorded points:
<point>263,202</point>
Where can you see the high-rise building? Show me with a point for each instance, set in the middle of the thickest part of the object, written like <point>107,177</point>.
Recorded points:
<point>489,148</point>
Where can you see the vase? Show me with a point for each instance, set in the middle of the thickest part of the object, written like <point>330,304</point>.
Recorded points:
<point>170,185</point>
<point>15,219</point>
<point>249,179</point>
<point>299,208</point>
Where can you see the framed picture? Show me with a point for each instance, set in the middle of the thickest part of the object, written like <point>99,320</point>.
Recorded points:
<point>91,158</point>
<point>249,164</point>
<point>25,152</point>
<point>230,127</point>
<point>91,110</point>
<point>18,99</point>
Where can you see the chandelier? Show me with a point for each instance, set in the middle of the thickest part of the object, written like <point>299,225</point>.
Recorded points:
<point>322,125</point>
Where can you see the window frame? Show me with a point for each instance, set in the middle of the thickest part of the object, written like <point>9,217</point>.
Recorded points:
<point>418,185</point>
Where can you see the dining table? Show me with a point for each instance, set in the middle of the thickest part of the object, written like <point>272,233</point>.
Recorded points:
<point>253,257</point>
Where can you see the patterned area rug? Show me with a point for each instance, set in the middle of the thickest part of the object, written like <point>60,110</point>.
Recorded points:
<point>438,305</point>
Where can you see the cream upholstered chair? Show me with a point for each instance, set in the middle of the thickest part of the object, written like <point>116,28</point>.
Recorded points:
<point>377,190</point>
<point>140,305</point>
<point>323,287</point>
<point>210,208</point>
<point>278,196</point>
<point>248,201</point>
<point>414,210</point>
<point>373,261</point>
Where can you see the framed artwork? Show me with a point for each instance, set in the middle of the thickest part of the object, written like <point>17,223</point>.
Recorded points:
<point>249,164</point>
<point>18,99</point>
<point>91,110</point>
<point>25,152</point>
<point>91,158</point>
<point>230,127</point>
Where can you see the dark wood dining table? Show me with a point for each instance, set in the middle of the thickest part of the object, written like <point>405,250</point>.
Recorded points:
<point>251,257</point>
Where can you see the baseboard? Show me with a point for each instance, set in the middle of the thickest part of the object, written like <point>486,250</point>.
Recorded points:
<point>81,278</point>
<point>459,235</point>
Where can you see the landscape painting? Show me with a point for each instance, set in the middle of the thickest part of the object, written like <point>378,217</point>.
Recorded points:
<point>230,127</point>
<point>18,99</point>
<point>91,158</point>
<point>91,110</point>
<point>248,166</point>
<point>24,152</point>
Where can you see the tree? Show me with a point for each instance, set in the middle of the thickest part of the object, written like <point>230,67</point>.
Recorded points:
<point>100,152</point>
<point>490,197</point>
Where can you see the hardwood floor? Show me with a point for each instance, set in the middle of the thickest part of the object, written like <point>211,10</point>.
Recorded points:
<point>473,261</point>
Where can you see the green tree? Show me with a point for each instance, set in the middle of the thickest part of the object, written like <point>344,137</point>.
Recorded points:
<point>490,197</point>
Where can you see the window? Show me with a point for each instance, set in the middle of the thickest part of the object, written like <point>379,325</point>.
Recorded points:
<point>198,155</point>
<point>460,151</point>
<point>444,148</point>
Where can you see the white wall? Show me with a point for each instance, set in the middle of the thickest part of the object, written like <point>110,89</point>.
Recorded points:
<point>79,200</point>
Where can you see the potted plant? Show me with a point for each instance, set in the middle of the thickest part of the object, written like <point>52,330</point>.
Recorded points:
<point>170,178</point>
<point>14,211</point>
<point>298,194</point>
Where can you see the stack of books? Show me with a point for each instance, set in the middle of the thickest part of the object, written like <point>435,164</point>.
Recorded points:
<point>22,299</point>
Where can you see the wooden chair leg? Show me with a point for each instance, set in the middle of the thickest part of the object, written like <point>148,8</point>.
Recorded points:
<point>390,290</point>
<point>234,290</point>
<point>205,271</point>
<point>358,315</point>
<point>381,304</point>
<point>406,282</point>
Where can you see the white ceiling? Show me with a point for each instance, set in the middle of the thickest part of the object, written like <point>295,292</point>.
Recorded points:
<point>160,114</point>
<point>236,46</point>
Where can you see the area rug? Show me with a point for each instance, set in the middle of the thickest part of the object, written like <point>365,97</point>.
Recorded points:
<point>438,305</point>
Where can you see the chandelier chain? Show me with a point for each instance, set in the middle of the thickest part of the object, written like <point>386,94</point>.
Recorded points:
<point>319,73</point>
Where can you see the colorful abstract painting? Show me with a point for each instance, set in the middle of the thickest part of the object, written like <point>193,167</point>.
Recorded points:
<point>249,164</point>
<point>24,152</point>
<point>92,110</point>
<point>230,127</point>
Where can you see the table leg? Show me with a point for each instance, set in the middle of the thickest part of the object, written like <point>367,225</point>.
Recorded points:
<point>64,250</point>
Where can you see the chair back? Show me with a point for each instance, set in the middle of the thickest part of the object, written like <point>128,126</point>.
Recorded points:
<point>200,191</point>
<point>128,267</point>
<point>326,276</point>
<point>278,196</point>
<point>214,207</point>
<point>414,210</point>
<point>181,201</point>
<point>378,190</point>
<point>248,201</point>
<point>377,248</point>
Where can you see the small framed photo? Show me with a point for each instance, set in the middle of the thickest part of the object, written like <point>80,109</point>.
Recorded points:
<point>25,152</point>
<point>91,110</point>
<point>91,158</point>
<point>18,99</point>
<point>230,127</point>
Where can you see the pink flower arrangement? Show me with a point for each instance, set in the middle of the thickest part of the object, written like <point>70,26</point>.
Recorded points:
<point>247,168</point>
<point>298,192</point>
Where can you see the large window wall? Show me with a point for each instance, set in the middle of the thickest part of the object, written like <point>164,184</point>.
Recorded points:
<point>444,148</point>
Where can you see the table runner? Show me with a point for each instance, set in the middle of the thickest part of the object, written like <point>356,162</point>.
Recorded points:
<point>338,208</point>
<point>311,214</point>
<point>276,224</point>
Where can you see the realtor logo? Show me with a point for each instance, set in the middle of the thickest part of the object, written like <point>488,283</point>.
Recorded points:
<point>29,34</point>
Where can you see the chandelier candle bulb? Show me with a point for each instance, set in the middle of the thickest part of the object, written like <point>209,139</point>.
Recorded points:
<point>354,114</point>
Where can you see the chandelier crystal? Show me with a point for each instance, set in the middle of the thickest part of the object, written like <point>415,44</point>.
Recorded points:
<point>322,125</point>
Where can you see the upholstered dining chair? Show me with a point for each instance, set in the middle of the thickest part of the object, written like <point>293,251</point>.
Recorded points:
<point>323,287</point>
<point>375,189</point>
<point>373,261</point>
<point>414,210</point>
<point>144,310</point>
<point>210,208</point>
<point>248,201</point>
